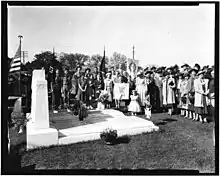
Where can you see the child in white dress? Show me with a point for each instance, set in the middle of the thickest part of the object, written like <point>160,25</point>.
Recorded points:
<point>134,105</point>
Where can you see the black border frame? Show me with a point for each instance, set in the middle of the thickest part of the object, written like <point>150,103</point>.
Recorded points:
<point>4,72</point>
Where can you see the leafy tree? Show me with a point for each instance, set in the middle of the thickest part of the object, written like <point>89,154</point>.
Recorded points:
<point>118,59</point>
<point>73,60</point>
<point>44,60</point>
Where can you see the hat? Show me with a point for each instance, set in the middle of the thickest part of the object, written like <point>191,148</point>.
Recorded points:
<point>169,68</point>
<point>186,75</point>
<point>78,67</point>
<point>148,72</point>
<point>108,73</point>
<point>200,72</point>
<point>140,72</point>
<point>205,67</point>
<point>193,69</point>
<point>145,69</point>
<point>197,65</point>
<point>165,73</point>
<point>184,65</point>
<point>179,74</point>
<point>134,91</point>
<point>153,68</point>
<point>88,69</point>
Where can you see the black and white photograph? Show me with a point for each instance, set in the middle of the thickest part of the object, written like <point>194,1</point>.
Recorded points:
<point>111,87</point>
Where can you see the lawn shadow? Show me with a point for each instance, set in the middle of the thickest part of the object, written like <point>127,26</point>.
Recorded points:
<point>165,121</point>
<point>122,140</point>
<point>64,120</point>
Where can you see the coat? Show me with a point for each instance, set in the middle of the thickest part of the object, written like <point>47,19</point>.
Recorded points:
<point>168,91</point>
<point>199,91</point>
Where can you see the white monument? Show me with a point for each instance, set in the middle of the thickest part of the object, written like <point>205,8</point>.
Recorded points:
<point>39,132</point>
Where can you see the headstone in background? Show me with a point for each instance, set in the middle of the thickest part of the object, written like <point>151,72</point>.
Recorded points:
<point>39,132</point>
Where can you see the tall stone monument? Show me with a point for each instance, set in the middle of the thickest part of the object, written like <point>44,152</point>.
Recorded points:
<point>39,132</point>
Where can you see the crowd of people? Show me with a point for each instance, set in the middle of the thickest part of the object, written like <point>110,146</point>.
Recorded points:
<point>186,90</point>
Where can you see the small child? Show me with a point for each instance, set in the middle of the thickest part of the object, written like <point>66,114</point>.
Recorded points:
<point>147,107</point>
<point>134,105</point>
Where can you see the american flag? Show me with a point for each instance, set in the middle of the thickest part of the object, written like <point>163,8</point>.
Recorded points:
<point>16,61</point>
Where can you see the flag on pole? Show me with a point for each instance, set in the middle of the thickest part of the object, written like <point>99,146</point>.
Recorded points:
<point>15,65</point>
<point>102,66</point>
<point>16,61</point>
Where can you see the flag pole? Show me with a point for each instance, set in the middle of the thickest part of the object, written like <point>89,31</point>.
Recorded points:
<point>19,78</point>
<point>133,51</point>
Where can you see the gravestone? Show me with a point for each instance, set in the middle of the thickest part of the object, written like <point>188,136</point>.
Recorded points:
<point>39,132</point>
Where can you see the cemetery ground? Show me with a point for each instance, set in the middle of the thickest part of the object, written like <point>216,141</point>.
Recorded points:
<point>179,144</point>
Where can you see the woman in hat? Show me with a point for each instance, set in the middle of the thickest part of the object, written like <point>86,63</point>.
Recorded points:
<point>116,97</point>
<point>191,95</point>
<point>200,97</point>
<point>152,90</point>
<point>134,106</point>
<point>98,85</point>
<point>141,87</point>
<point>180,80</point>
<point>170,93</point>
<point>56,91</point>
<point>109,88</point>
<point>164,88</point>
<point>159,84</point>
<point>184,95</point>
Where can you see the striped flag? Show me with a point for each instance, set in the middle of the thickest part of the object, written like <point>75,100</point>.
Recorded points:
<point>16,61</point>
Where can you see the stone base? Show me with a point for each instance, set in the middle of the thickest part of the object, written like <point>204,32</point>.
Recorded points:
<point>41,137</point>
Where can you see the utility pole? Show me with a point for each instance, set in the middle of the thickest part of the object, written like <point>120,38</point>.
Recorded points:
<point>133,51</point>
<point>19,78</point>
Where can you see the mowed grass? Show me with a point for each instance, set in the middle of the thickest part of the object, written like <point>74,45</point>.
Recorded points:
<point>179,144</point>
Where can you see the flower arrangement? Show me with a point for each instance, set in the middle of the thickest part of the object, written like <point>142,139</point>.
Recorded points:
<point>109,135</point>
<point>103,97</point>
<point>19,121</point>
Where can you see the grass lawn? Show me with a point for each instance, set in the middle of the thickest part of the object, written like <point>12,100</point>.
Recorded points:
<point>179,144</point>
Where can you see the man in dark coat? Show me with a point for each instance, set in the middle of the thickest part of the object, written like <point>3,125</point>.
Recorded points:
<point>56,91</point>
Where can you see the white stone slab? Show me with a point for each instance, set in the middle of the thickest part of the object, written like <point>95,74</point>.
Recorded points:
<point>125,125</point>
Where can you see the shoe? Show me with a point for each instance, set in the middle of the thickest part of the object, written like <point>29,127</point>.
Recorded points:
<point>55,111</point>
<point>91,107</point>
<point>205,120</point>
<point>20,130</point>
<point>68,110</point>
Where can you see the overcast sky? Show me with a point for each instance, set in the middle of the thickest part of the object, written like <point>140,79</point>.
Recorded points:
<point>161,35</point>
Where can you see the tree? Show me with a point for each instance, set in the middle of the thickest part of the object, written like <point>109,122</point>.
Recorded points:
<point>118,59</point>
<point>44,60</point>
<point>73,60</point>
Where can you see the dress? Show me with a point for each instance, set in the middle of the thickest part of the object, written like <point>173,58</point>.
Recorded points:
<point>168,92</point>
<point>184,89</point>
<point>115,81</point>
<point>200,100</point>
<point>98,87</point>
<point>134,105</point>
<point>109,88</point>
<point>141,88</point>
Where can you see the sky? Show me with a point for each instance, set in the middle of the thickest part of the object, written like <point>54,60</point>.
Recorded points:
<point>161,35</point>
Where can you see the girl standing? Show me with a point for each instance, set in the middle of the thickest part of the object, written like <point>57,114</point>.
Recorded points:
<point>141,87</point>
<point>170,93</point>
<point>109,88</point>
<point>116,80</point>
<point>134,105</point>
